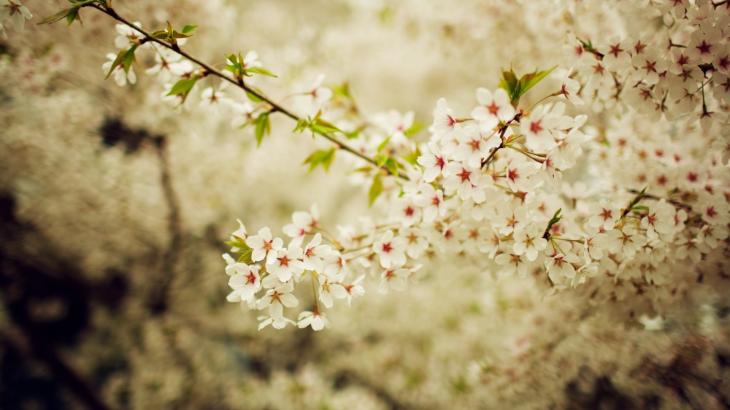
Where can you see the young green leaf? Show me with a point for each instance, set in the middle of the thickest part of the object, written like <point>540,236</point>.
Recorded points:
<point>555,219</point>
<point>510,83</point>
<point>323,157</point>
<point>516,88</point>
<point>125,59</point>
<point>412,157</point>
<point>376,188</point>
<point>382,145</point>
<point>258,70</point>
<point>263,127</point>
<point>253,97</point>
<point>414,129</point>
<point>321,126</point>
<point>183,87</point>
<point>57,16</point>
<point>189,29</point>
<point>532,79</point>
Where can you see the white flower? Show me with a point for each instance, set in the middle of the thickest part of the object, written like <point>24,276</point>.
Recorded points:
<point>328,291</point>
<point>317,95</point>
<point>275,300</point>
<point>431,200</point>
<point>603,217</point>
<point>391,250</point>
<point>494,108</point>
<point>285,263</point>
<point>396,278</point>
<point>314,254</point>
<point>16,12</point>
<point>560,266</point>
<point>433,162</point>
<point>316,320</point>
<point>444,122</point>
<point>518,175</point>
<point>465,180</point>
<point>169,65</point>
<point>416,243</point>
<point>474,146</point>
<point>127,36</point>
<point>354,289</point>
<point>263,244</point>
<point>529,241</point>
<point>511,264</point>
<point>214,96</point>
<point>303,223</point>
<point>245,282</point>
<point>395,125</point>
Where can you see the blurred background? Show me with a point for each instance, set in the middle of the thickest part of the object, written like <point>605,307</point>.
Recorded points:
<point>115,206</point>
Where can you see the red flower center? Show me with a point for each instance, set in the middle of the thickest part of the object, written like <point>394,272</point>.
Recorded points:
<point>535,127</point>
<point>464,175</point>
<point>493,108</point>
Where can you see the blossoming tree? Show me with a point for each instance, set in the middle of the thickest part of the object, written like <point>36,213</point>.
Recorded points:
<point>640,122</point>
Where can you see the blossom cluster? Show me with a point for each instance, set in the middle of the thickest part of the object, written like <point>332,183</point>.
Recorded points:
<point>266,273</point>
<point>676,71</point>
<point>495,186</point>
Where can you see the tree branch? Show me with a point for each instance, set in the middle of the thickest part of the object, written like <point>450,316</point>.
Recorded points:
<point>209,70</point>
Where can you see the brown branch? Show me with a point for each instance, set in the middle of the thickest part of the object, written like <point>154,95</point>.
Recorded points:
<point>209,70</point>
<point>502,144</point>
<point>657,198</point>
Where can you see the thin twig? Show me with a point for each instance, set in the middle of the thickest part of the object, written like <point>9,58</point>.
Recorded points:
<point>209,70</point>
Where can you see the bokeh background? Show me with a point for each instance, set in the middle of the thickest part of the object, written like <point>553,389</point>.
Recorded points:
<point>115,205</point>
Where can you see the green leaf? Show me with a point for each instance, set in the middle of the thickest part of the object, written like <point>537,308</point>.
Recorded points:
<point>640,208</point>
<point>392,166</point>
<point>259,70</point>
<point>323,157</point>
<point>555,219</point>
<point>263,127</point>
<point>189,29</point>
<point>73,15</point>
<point>342,90</point>
<point>302,124</point>
<point>128,59</point>
<point>510,83</point>
<point>183,87</point>
<point>253,97</point>
<point>376,188</point>
<point>412,157</point>
<point>382,145</point>
<point>414,129</point>
<point>516,88</point>
<point>321,126</point>
<point>125,59</point>
<point>532,79</point>
<point>245,256</point>
<point>56,17</point>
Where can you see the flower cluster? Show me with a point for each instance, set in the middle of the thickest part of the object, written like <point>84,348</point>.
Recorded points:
<point>265,273</point>
<point>514,188</point>
<point>681,69</point>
